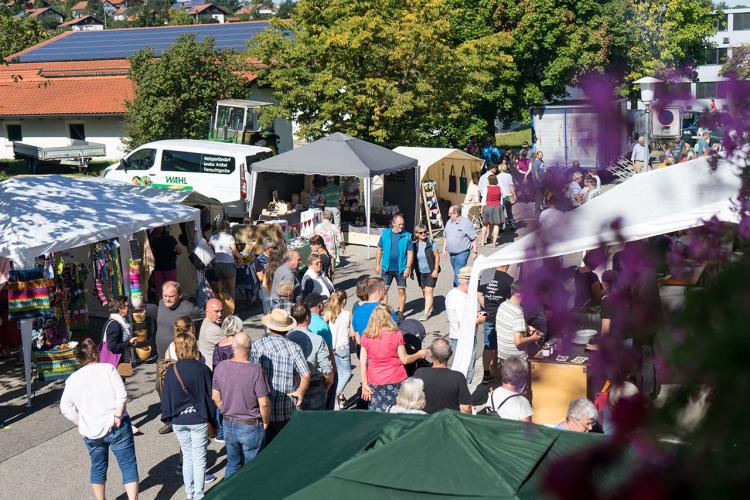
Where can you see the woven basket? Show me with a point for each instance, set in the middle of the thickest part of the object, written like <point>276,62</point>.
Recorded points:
<point>143,353</point>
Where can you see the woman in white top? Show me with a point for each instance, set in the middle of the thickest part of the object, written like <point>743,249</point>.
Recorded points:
<point>227,254</point>
<point>411,398</point>
<point>340,322</point>
<point>314,281</point>
<point>507,400</point>
<point>94,399</point>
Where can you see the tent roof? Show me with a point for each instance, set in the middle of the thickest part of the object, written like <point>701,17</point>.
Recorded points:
<point>337,154</point>
<point>447,454</point>
<point>427,157</point>
<point>44,214</point>
<point>652,203</point>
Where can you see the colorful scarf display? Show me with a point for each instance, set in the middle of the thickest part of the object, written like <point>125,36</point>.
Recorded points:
<point>107,272</point>
<point>28,294</point>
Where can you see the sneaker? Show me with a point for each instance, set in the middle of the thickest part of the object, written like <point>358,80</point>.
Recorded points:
<point>218,439</point>
<point>210,478</point>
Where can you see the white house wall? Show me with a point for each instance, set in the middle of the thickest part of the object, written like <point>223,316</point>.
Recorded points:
<point>51,132</point>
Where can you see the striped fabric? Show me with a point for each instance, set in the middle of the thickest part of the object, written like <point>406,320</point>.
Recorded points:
<point>53,365</point>
<point>509,321</point>
<point>28,299</point>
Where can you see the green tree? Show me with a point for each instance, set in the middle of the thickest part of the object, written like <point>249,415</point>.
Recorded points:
<point>386,71</point>
<point>286,8</point>
<point>178,17</point>
<point>19,34</point>
<point>177,92</point>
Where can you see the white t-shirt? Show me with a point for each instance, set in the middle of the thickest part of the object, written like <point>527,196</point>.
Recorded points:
<point>222,245</point>
<point>455,305</point>
<point>91,395</point>
<point>515,408</point>
<point>550,217</point>
<point>505,180</point>
<point>340,329</point>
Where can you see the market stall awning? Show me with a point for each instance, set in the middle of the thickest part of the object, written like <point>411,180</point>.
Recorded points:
<point>371,455</point>
<point>658,202</point>
<point>337,154</point>
<point>427,157</point>
<point>44,214</point>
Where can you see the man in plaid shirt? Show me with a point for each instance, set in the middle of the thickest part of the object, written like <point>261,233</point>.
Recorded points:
<point>285,367</point>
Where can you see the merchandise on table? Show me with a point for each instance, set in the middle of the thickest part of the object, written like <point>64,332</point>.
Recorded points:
<point>55,364</point>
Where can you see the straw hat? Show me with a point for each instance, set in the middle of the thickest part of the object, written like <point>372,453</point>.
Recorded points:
<point>464,273</point>
<point>279,320</point>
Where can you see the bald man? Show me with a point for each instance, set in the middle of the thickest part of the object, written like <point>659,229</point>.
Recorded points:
<point>211,332</point>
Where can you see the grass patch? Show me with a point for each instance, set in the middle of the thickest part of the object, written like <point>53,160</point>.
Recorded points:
<point>12,168</point>
<point>514,138</point>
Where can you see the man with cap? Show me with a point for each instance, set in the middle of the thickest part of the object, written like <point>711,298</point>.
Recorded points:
<point>283,363</point>
<point>318,359</point>
<point>456,302</point>
<point>315,302</point>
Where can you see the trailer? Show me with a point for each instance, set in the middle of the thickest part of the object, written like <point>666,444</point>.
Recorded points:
<point>78,155</point>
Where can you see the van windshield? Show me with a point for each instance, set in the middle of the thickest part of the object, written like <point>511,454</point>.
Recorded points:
<point>249,160</point>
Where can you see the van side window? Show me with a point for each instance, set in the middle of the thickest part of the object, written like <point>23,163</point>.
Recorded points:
<point>181,161</point>
<point>142,159</point>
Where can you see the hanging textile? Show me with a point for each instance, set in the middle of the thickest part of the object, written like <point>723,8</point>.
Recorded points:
<point>134,279</point>
<point>28,294</point>
<point>108,280</point>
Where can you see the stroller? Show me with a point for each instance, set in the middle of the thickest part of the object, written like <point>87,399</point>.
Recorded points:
<point>414,334</point>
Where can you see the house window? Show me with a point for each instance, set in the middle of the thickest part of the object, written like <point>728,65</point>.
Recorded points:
<point>13,132</point>
<point>741,22</point>
<point>716,56</point>
<point>711,90</point>
<point>76,132</point>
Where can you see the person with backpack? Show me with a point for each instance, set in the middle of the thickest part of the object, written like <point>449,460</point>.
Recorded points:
<point>508,401</point>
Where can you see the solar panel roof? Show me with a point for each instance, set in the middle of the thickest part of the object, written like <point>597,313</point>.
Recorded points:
<point>123,43</point>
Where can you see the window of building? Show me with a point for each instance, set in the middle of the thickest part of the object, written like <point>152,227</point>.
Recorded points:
<point>717,56</point>
<point>13,132</point>
<point>143,159</point>
<point>711,90</point>
<point>722,22</point>
<point>76,132</point>
<point>741,22</point>
<point>181,161</point>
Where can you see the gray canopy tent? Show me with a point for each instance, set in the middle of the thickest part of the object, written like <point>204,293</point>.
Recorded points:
<point>338,155</point>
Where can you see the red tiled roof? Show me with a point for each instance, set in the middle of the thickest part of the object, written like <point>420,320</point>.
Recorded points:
<point>35,13</point>
<point>81,20</point>
<point>120,11</point>
<point>203,7</point>
<point>80,6</point>
<point>65,88</point>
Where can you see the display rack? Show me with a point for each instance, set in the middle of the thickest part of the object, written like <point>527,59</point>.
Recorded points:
<point>433,217</point>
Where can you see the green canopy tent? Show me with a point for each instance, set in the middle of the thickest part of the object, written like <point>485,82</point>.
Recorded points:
<point>367,455</point>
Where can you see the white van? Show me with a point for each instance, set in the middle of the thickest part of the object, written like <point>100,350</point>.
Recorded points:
<point>214,169</point>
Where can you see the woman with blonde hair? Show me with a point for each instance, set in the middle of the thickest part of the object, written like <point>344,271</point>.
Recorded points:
<point>187,404</point>
<point>383,357</point>
<point>340,322</point>
<point>183,324</point>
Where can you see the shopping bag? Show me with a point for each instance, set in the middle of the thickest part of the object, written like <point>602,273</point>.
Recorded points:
<point>463,181</point>
<point>452,181</point>
<point>107,356</point>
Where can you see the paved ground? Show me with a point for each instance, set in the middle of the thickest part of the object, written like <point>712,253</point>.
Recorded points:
<point>42,456</point>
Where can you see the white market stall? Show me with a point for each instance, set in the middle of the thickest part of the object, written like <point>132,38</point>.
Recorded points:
<point>657,202</point>
<point>44,214</point>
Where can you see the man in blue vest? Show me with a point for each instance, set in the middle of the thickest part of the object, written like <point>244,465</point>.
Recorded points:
<point>394,259</point>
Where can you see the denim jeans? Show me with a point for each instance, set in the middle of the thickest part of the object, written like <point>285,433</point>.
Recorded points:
<point>343,358</point>
<point>265,299</point>
<point>508,212</point>
<point>242,442</point>
<point>458,261</point>
<point>193,443</point>
<point>219,424</point>
<point>470,372</point>
<point>120,441</point>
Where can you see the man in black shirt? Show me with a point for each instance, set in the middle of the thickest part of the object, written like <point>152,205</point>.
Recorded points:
<point>491,295</point>
<point>443,388</point>
<point>165,248</point>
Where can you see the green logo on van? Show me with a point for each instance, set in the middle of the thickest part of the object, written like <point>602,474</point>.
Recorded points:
<point>176,180</point>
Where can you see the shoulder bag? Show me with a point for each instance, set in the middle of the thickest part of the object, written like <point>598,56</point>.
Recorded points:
<point>463,181</point>
<point>495,409</point>
<point>452,181</point>
<point>210,422</point>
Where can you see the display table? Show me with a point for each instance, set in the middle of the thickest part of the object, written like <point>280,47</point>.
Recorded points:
<point>303,222</point>
<point>354,235</point>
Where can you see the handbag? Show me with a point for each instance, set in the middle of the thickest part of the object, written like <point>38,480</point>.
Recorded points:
<point>107,356</point>
<point>202,256</point>
<point>463,181</point>
<point>210,423</point>
<point>452,181</point>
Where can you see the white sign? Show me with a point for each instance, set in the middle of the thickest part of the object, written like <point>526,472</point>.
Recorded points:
<point>666,123</point>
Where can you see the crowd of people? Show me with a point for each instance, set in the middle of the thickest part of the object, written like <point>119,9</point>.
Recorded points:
<point>214,384</point>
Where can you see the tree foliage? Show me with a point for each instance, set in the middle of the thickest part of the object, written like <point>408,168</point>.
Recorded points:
<point>738,66</point>
<point>176,93</point>
<point>19,34</point>
<point>386,71</point>
<point>179,17</point>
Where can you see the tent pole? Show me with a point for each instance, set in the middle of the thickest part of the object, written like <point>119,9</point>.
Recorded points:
<point>250,195</point>
<point>124,263</point>
<point>26,325</point>
<point>368,202</point>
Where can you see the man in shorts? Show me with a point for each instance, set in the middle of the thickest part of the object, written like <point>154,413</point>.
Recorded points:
<point>394,259</point>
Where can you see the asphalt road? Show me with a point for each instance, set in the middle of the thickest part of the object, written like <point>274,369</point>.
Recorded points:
<point>42,454</point>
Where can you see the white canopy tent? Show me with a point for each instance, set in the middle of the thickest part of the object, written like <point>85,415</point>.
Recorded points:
<point>44,214</point>
<point>661,201</point>
<point>436,164</point>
